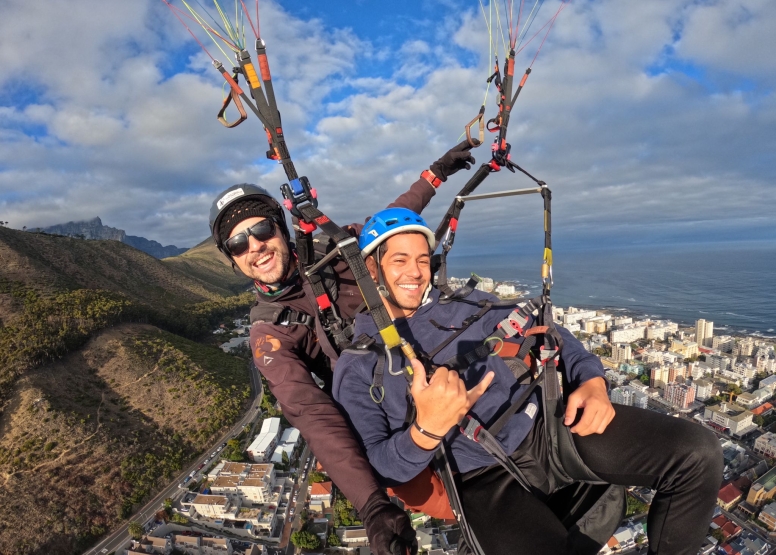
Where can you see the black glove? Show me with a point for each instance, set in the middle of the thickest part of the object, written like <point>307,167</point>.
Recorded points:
<point>388,528</point>
<point>457,158</point>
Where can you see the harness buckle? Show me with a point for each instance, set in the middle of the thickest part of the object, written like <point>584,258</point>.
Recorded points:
<point>471,429</point>
<point>296,192</point>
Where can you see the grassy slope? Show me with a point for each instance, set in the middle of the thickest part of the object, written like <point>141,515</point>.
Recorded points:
<point>87,435</point>
<point>206,264</point>
<point>90,426</point>
<point>53,263</point>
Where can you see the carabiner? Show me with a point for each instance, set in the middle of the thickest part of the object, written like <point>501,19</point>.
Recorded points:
<point>474,143</point>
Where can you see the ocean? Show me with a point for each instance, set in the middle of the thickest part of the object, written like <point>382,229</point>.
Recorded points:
<point>731,284</point>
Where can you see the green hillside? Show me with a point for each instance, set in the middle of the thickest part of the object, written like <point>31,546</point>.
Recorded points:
<point>209,266</point>
<point>102,399</point>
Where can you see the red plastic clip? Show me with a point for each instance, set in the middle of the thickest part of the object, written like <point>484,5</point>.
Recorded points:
<point>304,226</point>
<point>323,301</point>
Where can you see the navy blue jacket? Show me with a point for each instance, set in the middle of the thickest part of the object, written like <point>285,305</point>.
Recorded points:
<point>380,427</point>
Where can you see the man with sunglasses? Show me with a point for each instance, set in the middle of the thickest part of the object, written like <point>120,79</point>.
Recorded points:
<point>289,342</point>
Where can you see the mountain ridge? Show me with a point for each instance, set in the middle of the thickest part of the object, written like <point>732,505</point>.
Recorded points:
<point>95,230</point>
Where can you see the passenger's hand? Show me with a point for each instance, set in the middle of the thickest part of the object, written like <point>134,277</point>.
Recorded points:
<point>457,158</point>
<point>388,528</point>
<point>443,401</point>
<point>597,409</point>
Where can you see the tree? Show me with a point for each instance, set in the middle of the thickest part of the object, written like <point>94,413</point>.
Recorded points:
<point>333,540</point>
<point>135,530</point>
<point>317,477</point>
<point>636,507</point>
<point>305,540</point>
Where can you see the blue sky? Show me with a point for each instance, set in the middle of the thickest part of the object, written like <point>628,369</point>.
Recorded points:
<point>653,122</point>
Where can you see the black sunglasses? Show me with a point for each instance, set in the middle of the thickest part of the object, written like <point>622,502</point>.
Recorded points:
<point>262,231</point>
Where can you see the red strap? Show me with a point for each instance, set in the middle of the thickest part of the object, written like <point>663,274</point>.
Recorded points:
<point>431,178</point>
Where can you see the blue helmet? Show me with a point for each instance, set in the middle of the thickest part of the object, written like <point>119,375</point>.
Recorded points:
<point>389,222</point>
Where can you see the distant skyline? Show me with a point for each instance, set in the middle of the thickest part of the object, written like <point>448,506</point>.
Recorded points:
<point>652,122</point>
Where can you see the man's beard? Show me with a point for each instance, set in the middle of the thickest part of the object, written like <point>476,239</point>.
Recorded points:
<point>277,274</point>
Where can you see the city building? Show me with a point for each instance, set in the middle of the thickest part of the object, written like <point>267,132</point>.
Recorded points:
<point>320,496</point>
<point>729,416</point>
<point>687,349</point>
<point>485,284</point>
<point>213,506</point>
<point>680,395</point>
<point>703,389</point>
<point>628,395</point>
<point>728,496</point>
<point>723,343</point>
<point>263,446</point>
<point>251,483</point>
<point>718,362</point>
<point>768,383</point>
<point>574,315</point>
<point>658,377</point>
<point>627,334</point>
<point>744,347</point>
<point>622,320</point>
<point>704,332</point>
<point>505,290</point>
<point>621,352</point>
<point>766,445</point>
<point>763,489</point>
<point>287,445</point>
<point>768,516</point>
<point>662,329</point>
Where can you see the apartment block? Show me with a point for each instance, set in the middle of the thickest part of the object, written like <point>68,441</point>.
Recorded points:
<point>263,446</point>
<point>679,395</point>
<point>728,416</point>
<point>703,389</point>
<point>627,334</point>
<point>766,445</point>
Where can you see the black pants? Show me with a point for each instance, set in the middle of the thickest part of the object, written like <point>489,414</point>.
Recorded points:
<point>678,458</point>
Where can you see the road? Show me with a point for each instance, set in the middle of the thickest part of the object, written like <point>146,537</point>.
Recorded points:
<point>119,537</point>
<point>302,482</point>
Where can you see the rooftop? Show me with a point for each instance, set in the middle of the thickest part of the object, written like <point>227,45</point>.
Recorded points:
<point>202,499</point>
<point>729,493</point>
<point>767,481</point>
<point>321,488</point>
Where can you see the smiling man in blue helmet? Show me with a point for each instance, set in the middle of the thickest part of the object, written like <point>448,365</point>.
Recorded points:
<point>510,489</point>
<point>290,341</point>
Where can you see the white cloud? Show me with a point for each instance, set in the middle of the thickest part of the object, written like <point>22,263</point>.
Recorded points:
<point>121,119</point>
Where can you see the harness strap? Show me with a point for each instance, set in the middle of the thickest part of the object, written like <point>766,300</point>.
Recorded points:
<point>348,247</point>
<point>464,326</point>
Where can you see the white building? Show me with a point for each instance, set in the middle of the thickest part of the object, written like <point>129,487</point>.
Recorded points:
<point>744,347</point>
<point>627,395</point>
<point>730,416</point>
<point>723,343</point>
<point>627,334</point>
<point>621,352</point>
<point>264,444</point>
<point>704,332</point>
<point>505,290</point>
<point>251,483</point>
<point>214,506</point>
<point>766,445</point>
<point>662,329</point>
<point>287,445</point>
<point>703,389</point>
<point>486,284</point>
